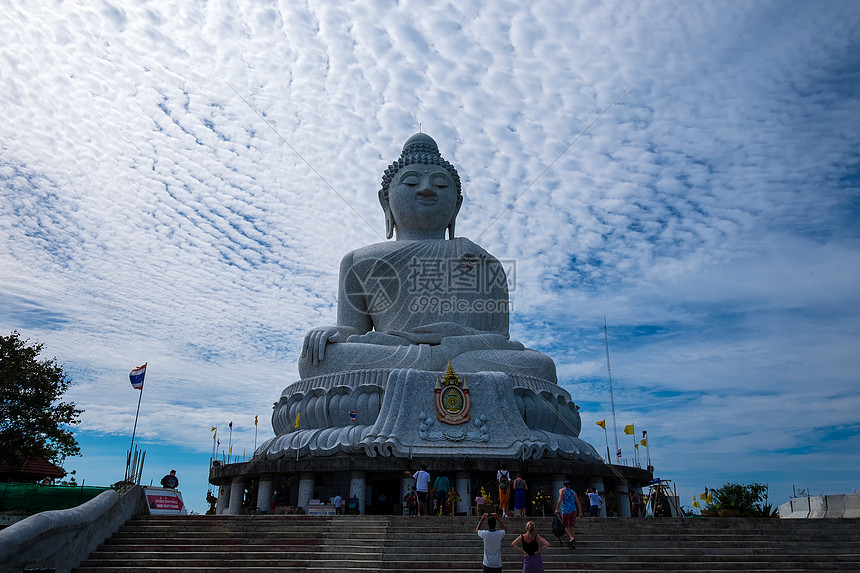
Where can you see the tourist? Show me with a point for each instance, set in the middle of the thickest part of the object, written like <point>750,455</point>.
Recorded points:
<point>569,508</point>
<point>440,486</point>
<point>504,479</point>
<point>530,544</point>
<point>274,503</point>
<point>520,488</point>
<point>422,486</point>
<point>170,481</point>
<point>635,504</point>
<point>337,502</point>
<point>411,502</point>
<point>595,501</point>
<point>492,542</point>
<point>382,504</point>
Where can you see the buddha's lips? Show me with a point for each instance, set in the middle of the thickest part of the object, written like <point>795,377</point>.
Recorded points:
<point>426,196</point>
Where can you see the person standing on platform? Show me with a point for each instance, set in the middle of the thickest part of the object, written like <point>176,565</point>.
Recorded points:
<point>492,542</point>
<point>337,502</point>
<point>530,544</point>
<point>170,481</point>
<point>569,508</point>
<point>594,501</point>
<point>440,486</point>
<point>520,488</point>
<point>411,502</point>
<point>635,504</point>
<point>504,479</point>
<point>422,486</point>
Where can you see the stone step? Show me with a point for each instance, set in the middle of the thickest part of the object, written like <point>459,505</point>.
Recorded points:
<point>296,543</point>
<point>298,534</point>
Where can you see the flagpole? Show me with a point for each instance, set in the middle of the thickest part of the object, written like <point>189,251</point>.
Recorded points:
<point>214,445</point>
<point>134,430</point>
<point>606,437</point>
<point>255,435</point>
<point>611,393</point>
<point>647,447</point>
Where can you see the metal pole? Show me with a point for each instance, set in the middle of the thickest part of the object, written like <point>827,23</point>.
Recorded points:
<point>611,393</point>
<point>606,437</point>
<point>134,431</point>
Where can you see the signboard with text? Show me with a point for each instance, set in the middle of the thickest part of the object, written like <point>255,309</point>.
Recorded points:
<point>321,510</point>
<point>162,501</point>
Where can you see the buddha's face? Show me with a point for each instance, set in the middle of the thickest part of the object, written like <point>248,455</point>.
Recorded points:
<point>423,198</point>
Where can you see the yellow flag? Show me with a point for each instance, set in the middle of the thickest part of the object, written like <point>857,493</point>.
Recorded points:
<point>696,504</point>
<point>601,423</point>
<point>298,414</point>
<point>628,429</point>
<point>636,446</point>
<point>255,420</point>
<point>644,442</point>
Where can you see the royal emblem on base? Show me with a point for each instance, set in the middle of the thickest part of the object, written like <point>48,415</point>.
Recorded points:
<point>452,398</point>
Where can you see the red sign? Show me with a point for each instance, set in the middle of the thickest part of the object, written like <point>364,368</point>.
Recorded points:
<point>164,502</point>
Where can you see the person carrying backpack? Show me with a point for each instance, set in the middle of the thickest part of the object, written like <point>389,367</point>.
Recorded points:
<point>569,507</point>
<point>504,479</point>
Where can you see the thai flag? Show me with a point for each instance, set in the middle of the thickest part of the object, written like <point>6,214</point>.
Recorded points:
<point>352,415</point>
<point>136,377</point>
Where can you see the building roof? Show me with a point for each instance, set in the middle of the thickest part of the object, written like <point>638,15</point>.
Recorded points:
<point>34,468</point>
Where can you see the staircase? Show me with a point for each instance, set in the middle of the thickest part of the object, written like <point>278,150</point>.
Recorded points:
<point>268,544</point>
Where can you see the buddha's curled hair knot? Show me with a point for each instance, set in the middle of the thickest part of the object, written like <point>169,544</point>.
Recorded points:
<point>420,148</point>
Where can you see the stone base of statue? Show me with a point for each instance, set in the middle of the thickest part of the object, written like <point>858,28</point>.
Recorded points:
<point>407,413</point>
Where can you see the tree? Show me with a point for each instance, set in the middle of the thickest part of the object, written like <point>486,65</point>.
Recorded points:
<point>33,421</point>
<point>746,499</point>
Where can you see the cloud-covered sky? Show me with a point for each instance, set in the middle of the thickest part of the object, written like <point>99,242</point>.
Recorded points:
<point>180,180</point>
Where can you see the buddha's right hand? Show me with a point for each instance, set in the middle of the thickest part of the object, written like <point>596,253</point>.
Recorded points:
<point>313,348</point>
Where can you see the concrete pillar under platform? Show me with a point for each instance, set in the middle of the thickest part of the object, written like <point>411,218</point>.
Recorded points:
<point>237,496</point>
<point>357,486</point>
<point>306,489</point>
<point>596,483</point>
<point>623,499</point>
<point>465,492</point>
<point>264,494</point>
<point>223,499</point>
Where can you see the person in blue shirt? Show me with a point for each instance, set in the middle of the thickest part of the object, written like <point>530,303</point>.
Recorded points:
<point>569,508</point>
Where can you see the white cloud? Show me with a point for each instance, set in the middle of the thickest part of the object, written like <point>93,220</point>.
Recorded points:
<point>149,213</point>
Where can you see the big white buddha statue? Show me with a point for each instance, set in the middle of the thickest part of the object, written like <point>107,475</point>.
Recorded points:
<point>421,300</point>
<point>411,312</point>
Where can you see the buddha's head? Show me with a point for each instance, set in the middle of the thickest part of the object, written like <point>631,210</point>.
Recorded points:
<point>420,190</point>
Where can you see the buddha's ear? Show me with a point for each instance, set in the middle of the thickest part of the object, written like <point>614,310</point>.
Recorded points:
<point>454,217</point>
<point>389,218</point>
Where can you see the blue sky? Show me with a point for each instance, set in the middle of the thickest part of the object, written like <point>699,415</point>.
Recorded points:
<point>180,180</point>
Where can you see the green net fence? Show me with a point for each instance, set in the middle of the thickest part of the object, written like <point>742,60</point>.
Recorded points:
<point>31,497</point>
